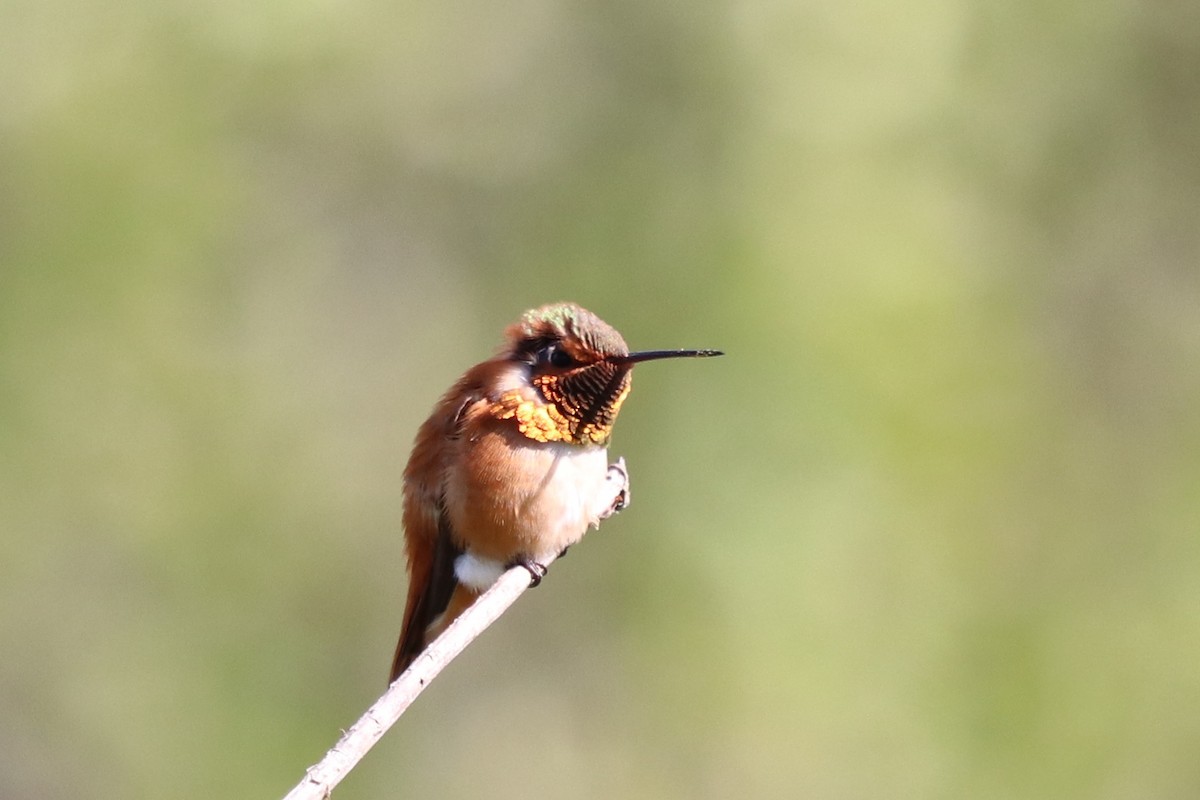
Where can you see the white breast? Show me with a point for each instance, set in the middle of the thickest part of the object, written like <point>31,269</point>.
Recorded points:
<point>573,496</point>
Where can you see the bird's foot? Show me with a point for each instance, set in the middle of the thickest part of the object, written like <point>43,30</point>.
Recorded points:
<point>536,570</point>
<point>618,480</point>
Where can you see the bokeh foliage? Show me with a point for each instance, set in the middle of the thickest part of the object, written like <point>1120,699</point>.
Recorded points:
<point>929,530</point>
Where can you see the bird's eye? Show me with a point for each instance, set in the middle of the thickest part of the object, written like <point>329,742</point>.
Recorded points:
<point>555,356</point>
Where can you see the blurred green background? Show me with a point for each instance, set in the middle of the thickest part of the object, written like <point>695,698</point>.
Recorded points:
<point>929,530</point>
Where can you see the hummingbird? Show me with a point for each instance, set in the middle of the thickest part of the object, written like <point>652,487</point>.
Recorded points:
<point>511,468</point>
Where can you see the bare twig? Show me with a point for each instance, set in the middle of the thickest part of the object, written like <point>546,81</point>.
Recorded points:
<point>362,736</point>
<point>320,779</point>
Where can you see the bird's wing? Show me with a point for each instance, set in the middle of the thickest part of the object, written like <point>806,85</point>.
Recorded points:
<point>429,539</point>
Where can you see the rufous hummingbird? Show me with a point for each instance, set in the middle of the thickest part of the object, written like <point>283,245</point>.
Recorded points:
<point>511,468</point>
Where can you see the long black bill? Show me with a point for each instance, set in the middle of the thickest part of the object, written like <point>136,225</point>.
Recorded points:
<point>651,355</point>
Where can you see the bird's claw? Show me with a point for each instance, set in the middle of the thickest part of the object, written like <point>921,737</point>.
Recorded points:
<point>536,570</point>
<point>618,477</point>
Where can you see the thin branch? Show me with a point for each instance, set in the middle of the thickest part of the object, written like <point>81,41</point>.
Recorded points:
<point>371,726</point>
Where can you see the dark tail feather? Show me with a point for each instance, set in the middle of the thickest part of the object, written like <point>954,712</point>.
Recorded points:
<point>425,607</point>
